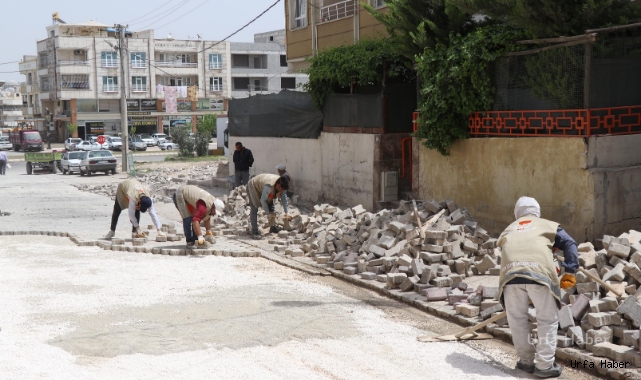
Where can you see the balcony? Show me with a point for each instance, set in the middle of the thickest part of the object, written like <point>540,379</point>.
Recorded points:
<point>73,63</point>
<point>176,64</point>
<point>216,88</point>
<point>109,88</point>
<point>109,63</point>
<point>138,64</point>
<point>139,88</point>
<point>337,11</point>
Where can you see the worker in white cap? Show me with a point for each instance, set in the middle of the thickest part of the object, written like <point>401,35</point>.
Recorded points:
<point>282,171</point>
<point>528,271</point>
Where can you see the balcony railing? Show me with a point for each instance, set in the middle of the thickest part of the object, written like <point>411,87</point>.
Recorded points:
<point>138,64</point>
<point>337,11</point>
<point>215,88</point>
<point>139,88</point>
<point>215,65</point>
<point>73,63</point>
<point>176,64</point>
<point>109,88</point>
<point>75,85</point>
<point>109,63</point>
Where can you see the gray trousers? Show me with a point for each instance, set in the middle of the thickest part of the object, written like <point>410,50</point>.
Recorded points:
<point>241,178</point>
<point>547,322</point>
<point>3,167</point>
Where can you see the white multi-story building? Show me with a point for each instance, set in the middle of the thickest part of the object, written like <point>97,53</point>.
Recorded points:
<point>10,105</point>
<point>79,76</point>
<point>31,92</point>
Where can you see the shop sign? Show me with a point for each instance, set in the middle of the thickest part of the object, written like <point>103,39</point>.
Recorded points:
<point>203,104</point>
<point>217,105</point>
<point>95,128</point>
<point>133,105</point>
<point>184,105</point>
<point>149,105</point>
<point>143,121</point>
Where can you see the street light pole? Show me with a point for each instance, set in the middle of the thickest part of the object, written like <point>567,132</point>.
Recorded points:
<point>124,125</point>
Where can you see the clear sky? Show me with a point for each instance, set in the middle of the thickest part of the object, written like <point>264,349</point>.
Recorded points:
<point>24,22</point>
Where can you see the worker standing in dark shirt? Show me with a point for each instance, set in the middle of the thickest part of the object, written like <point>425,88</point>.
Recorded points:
<point>528,272</point>
<point>243,160</point>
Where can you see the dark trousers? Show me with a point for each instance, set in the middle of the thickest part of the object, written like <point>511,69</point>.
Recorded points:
<point>3,167</point>
<point>188,227</point>
<point>116,215</point>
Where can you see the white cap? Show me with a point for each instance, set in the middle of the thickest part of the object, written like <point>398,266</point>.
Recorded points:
<point>527,206</point>
<point>280,167</point>
<point>220,207</point>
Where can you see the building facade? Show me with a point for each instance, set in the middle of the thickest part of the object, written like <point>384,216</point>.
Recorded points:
<point>30,91</point>
<point>78,77</point>
<point>315,25</point>
<point>10,105</point>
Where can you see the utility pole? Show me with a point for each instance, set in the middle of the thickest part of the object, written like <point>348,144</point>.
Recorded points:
<point>124,125</point>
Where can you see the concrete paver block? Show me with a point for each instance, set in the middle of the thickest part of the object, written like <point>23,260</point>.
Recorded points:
<point>467,310</point>
<point>631,310</point>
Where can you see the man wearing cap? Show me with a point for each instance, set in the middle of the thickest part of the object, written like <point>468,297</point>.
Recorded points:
<point>528,271</point>
<point>282,171</point>
<point>262,190</point>
<point>195,205</point>
<point>131,195</point>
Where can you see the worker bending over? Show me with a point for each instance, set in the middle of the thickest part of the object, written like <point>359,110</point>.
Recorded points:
<point>262,190</point>
<point>133,197</point>
<point>528,271</point>
<point>195,205</point>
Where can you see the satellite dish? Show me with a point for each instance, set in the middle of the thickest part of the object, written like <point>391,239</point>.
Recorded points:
<point>169,36</point>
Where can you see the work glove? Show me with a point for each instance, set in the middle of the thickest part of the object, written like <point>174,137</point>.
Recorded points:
<point>160,233</point>
<point>288,217</point>
<point>209,233</point>
<point>567,281</point>
<point>140,233</point>
<point>201,240</point>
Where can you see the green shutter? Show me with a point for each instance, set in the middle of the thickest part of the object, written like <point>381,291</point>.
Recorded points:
<point>104,55</point>
<point>115,80</point>
<point>104,80</point>
<point>144,81</point>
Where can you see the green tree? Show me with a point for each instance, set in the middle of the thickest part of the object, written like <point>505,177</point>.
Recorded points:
<point>72,128</point>
<point>553,18</point>
<point>363,64</point>
<point>204,130</point>
<point>414,25</point>
<point>181,137</point>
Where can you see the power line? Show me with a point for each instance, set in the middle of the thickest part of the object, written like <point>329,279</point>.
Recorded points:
<point>166,14</point>
<point>6,63</point>
<point>200,5</point>
<point>148,13</point>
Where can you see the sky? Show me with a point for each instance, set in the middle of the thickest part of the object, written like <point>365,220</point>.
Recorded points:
<point>24,22</point>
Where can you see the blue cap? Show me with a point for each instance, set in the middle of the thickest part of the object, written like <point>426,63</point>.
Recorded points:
<point>145,203</point>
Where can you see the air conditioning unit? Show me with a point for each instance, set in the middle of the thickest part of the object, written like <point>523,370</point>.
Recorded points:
<point>389,186</point>
<point>78,52</point>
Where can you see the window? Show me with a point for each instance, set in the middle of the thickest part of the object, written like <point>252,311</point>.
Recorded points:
<point>298,14</point>
<point>288,83</point>
<point>109,84</point>
<point>169,81</point>
<point>241,84</point>
<point>109,59</point>
<point>378,3</point>
<point>283,61</point>
<point>139,84</point>
<point>215,61</point>
<point>216,84</point>
<point>138,60</point>
<point>24,100</point>
<point>76,82</point>
<point>240,60</point>
<point>29,79</point>
<point>260,62</point>
<point>43,60</point>
<point>271,38</point>
<point>45,84</point>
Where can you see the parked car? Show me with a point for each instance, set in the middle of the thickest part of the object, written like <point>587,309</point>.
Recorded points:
<point>87,146</point>
<point>168,145</point>
<point>136,143</point>
<point>147,139</point>
<point>114,143</point>
<point>103,146</point>
<point>98,161</point>
<point>159,138</point>
<point>5,143</point>
<point>70,143</point>
<point>71,162</point>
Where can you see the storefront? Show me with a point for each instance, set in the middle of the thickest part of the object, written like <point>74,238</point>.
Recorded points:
<point>139,115</point>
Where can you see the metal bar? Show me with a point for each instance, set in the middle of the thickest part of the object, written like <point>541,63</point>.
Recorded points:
<point>534,51</point>
<point>587,74</point>
<point>582,37</point>
<point>614,28</point>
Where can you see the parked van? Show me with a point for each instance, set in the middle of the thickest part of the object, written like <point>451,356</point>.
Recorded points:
<point>159,138</point>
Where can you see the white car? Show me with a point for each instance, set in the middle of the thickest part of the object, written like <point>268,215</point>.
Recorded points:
<point>5,144</point>
<point>105,145</point>
<point>148,140</point>
<point>71,162</point>
<point>114,143</point>
<point>87,146</point>
<point>136,143</point>
<point>159,138</point>
<point>168,145</point>
<point>70,143</point>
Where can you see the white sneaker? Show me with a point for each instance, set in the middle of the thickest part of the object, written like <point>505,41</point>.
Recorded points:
<point>110,235</point>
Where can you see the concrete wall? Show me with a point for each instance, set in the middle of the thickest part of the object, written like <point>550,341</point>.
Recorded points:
<point>591,187</point>
<point>336,167</point>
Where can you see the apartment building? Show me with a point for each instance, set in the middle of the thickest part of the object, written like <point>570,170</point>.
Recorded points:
<point>315,25</point>
<point>261,67</point>
<point>79,77</point>
<point>30,91</point>
<point>10,105</point>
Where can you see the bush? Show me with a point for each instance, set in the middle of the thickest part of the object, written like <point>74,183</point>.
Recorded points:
<point>203,135</point>
<point>181,137</point>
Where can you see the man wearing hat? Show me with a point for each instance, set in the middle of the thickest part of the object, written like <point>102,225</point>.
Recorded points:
<point>131,195</point>
<point>282,171</point>
<point>528,272</point>
<point>195,205</point>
